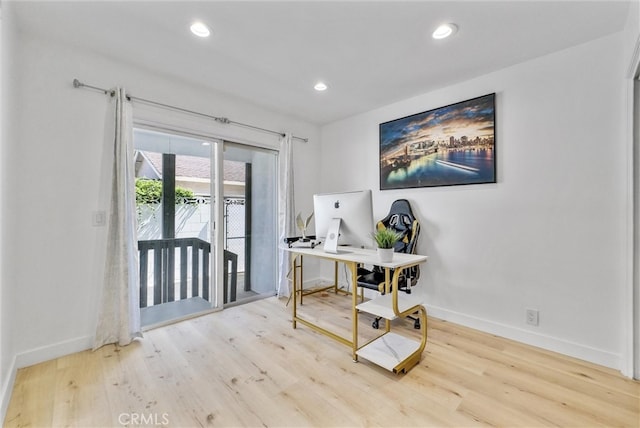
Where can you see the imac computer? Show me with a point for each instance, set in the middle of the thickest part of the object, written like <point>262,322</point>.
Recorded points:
<point>344,219</point>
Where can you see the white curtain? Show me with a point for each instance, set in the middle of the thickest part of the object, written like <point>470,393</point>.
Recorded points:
<point>119,311</point>
<point>286,210</point>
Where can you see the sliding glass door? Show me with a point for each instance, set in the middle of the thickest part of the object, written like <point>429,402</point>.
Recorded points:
<point>185,187</point>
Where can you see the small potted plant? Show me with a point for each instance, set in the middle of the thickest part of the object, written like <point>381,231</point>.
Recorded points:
<point>386,239</point>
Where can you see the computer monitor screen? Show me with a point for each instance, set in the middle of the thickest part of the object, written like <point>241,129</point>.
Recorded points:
<point>355,209</point>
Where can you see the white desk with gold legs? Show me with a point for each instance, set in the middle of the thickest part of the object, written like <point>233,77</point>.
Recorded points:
<point>390,350</point>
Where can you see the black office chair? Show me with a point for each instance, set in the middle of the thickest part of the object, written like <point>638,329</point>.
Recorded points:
<point>402,220</point>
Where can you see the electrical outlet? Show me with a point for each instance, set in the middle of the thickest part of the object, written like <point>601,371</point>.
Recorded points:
<point>532,317</point>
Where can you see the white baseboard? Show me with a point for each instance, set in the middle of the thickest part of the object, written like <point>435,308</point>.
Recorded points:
<point>55,350</point>
<point>7,389</point>
<point>550,343</point>
<point>318,282</point>
<point>36,356</point>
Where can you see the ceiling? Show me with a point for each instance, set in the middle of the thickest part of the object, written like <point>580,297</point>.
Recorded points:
<point>370,54</point>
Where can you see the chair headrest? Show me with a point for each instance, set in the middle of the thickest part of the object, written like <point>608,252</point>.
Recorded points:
<point>400,215</point>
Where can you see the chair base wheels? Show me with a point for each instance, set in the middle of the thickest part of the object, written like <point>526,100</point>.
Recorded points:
<point>416,323</point>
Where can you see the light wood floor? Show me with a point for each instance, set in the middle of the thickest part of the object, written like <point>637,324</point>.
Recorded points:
<point>246,366</point>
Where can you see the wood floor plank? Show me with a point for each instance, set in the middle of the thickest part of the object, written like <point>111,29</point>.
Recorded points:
<point>557,379</point>
<point>31,403</point>
<point>247,366</point>
<point>79,395</point>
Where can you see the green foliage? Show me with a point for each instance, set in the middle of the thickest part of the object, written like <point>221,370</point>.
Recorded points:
<point>386,238</point>
<point>182,194</point>
<point>150,192</point>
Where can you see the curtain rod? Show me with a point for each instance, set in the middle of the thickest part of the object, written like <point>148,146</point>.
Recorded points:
<point>224,120</point>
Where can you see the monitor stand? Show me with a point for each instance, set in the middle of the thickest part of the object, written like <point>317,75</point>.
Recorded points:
<point>331,241</point>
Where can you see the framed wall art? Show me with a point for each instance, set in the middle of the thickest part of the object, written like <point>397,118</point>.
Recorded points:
<point>447,146</point>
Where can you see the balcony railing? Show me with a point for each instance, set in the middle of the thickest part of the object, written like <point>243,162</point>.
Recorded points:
<point>180,269</point>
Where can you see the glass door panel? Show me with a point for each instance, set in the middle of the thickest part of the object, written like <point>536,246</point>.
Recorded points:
<point>173,202</point>
<point>249,223</point>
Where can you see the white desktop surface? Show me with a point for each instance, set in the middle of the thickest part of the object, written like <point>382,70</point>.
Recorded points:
<point>361,255</point>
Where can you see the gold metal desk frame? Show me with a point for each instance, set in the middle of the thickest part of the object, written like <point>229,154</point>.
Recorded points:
<point>390,306</point>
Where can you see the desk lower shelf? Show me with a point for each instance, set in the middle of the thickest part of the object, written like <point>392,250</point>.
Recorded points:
<point>389,351</point>
<point>382,306</point>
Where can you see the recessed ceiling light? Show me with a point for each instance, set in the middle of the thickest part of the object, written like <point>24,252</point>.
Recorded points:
<point>320,86</point>
<point>200,30</point>
<point>444,31</point>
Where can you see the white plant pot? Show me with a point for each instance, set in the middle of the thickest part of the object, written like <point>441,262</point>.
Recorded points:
<point>385,254</point>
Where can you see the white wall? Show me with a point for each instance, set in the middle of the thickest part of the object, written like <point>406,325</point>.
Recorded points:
<point>634,294</point>
<point>550,235</point>
<point>6,352</point>
<point>55,167</point>
<point>632,313</point>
